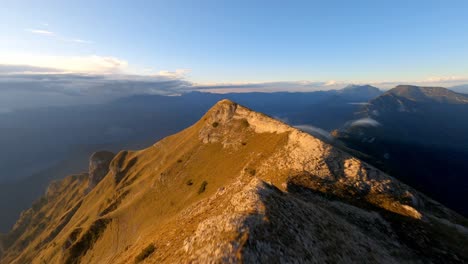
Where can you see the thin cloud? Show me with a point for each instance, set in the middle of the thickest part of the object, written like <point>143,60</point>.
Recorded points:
<point>48,33</point>
<point>82,41</point>
<point>359,103</point>
<point>315,131</point>
<point>42,32</point>
<point>298,86</point>
<point>446,79</point>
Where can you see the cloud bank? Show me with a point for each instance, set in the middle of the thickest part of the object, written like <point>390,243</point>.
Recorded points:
<point>298,86</point>
<point>49,87</point>
<point>65,64</point>
<point>42,80</point>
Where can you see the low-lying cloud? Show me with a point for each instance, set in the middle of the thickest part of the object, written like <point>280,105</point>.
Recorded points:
<point>365,122</point>
<point>299,86</point>
<point>315,131</point>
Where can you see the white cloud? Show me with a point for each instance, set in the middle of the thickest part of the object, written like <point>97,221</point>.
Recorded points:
<point>282,119</point>
<point>366,122</point>
<point>179,73</point>
<point>332,83</point>
<point>42,32</point>
<point>82,41</point>
<point>446,79</point>
<point>76,64</point>
<point>48,33</point>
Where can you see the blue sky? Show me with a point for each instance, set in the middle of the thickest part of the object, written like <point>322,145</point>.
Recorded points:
<point>242,41</point>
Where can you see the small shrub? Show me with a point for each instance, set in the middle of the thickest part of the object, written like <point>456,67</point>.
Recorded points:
<point>215,124</point>
<point>179,161</point>
<point>245,123</point>
<point>189,182</point>
<point>251,171</point>
<point>145,253</point>
<point>202,187</point>
<point>244,143</point>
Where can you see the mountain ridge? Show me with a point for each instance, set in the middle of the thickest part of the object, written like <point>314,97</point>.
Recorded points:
<point>428,94</point>
<point>237,186</point>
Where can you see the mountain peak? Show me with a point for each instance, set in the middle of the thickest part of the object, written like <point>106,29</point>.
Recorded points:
<point>358,86</point>
<point>360,91</point>
<point>230,117</point>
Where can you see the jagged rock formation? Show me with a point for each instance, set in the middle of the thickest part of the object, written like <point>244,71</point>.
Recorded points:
<point>239,186</point>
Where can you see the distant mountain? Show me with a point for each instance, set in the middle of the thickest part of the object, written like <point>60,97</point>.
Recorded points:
<point>360,92</point>
<point>425,95</point>
<point>235,187</point>
<point>427,115</point>
<point>419,134</point>
<point>460,88</point>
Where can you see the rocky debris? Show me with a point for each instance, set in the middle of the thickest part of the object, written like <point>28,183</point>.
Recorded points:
<point>306,153</point>
<point>99,167</point>
<point>262,224</point>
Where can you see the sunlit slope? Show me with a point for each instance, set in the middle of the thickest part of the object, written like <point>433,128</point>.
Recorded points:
<point>238,186</point>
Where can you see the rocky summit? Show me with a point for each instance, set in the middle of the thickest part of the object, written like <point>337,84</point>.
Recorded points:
<point>235,187</point>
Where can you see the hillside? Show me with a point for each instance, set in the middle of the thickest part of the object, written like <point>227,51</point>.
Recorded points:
<point>237,186</point>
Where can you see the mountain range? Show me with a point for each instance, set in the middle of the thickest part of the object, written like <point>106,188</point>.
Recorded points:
<point>236,186</point>
<point>419,134</point>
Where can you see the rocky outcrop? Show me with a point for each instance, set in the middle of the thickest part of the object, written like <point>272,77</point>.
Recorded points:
<point>99,167</point>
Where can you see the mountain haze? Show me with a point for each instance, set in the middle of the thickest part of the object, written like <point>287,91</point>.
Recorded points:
<point>237,186</point>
